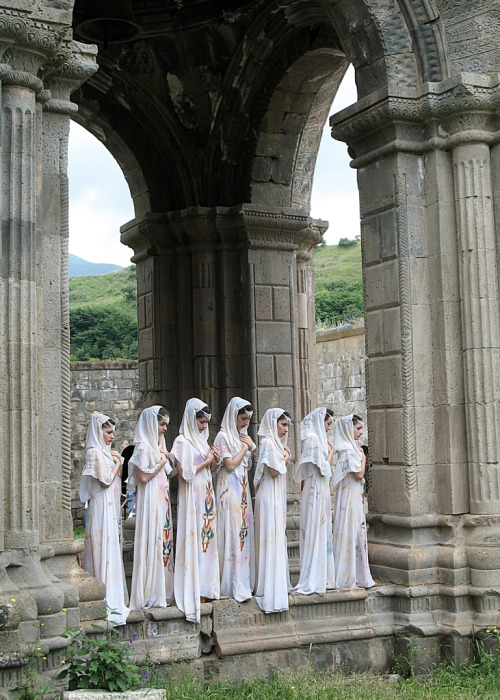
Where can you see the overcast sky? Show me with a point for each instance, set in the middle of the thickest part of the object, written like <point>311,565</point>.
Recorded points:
<point>100,201</point>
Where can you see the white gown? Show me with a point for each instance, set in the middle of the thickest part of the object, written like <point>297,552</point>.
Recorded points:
<point>349,527</point>
<point>153,570</point>
<point>197,561</point>
<point>235,533</point>
<point>317,570</point>
<point>271,555</point>
<point>102,556</point>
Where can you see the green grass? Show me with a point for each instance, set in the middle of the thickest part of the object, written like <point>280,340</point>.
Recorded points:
<point>333,263</point>
<point>117,287</point>
<point>79,533</point>
<point>338,284</point>
<point>445,683</point>
<point>103,316</point>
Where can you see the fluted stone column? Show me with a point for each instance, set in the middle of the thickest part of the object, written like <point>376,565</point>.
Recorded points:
<point>75,63</point>
<point>33,600</point>
<point>431,291</point>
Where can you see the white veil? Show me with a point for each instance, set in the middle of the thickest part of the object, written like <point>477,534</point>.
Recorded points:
<point>272,448</point>
<point>314,444</point>
<point>344,442</point>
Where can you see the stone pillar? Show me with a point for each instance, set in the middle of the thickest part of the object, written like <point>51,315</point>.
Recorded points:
<point>471,131</point>
<point>227,308</point>
<point>75,64</point>
<point>431,293</point>
<point>306,316</point>
<point>157,299</point>
<point>32,599</point>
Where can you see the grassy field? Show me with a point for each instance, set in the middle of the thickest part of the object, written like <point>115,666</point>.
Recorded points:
<point>445,683</point>
<point>113,288</point>
<point>103,308</point>
<point>334,263</point>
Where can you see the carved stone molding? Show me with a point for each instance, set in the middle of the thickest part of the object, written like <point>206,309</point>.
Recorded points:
<point>222,228</point>
<point>407,368</point>
<point>462,109</point>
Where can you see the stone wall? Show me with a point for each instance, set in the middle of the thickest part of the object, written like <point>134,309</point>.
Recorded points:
<point>114,387</point>
<point>341,369</point>
<point>107,387</point>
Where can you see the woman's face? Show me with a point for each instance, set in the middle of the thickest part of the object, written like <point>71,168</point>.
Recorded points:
<point>162,426</point>
<point>242,421</point>
<point>358,430</point>
<point>202,423</point>
<point>282,427</point>
<point>108,434</point>
<point>328,423</point>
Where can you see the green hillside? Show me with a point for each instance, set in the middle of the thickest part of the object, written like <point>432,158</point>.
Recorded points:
<point>103,308</point>
<point>338,283</point>
<point>103,316</point>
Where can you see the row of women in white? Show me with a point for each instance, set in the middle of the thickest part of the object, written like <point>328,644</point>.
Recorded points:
<point>221,549</point>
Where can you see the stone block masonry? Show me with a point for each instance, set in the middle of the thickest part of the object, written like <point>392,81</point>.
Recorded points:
<point>107,387</point>
<point>341,369</point>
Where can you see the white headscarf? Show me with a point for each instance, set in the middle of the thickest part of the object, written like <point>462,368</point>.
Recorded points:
<point>272,448</point>
<point>190,439</point>
<point>146,431</point>
<point>314,444</point>
<point>95,437</point>
<point>146,434</point>
<point>229,431</point>
<point>344,442</point>
<point>98,463</point>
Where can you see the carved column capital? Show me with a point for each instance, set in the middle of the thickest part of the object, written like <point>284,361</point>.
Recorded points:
<point>461,109</point>
<point>309,238</point>
<point>73,65</point>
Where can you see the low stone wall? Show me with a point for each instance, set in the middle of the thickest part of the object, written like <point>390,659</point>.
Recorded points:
<point>107,387</point>
<point>341,369</point>
<point>114,387</point>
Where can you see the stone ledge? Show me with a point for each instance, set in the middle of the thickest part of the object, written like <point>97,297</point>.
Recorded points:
<point>340,332</point>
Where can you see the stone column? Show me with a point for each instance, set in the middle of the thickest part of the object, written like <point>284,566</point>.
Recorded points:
<point>25,48</point>
<point>306,317</point>
<point>75,63</point>
<point>228,305</point>
<point>472,124</point>
<point>30,47</point>
<point>431,293</point>
<point>157,300</point>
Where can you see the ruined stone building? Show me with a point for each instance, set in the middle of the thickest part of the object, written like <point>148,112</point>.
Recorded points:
<point>214,112</point>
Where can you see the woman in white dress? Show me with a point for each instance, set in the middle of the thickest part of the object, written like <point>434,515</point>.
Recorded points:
<point>102,556</point>
<point>317,570</point>
<point>349,523</point>
<point>197,561</point>
<point>235,537</point>
<point>149,468</point>
<point>271,555</point>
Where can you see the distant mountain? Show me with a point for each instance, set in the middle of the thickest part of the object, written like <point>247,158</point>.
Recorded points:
<point>78,267</point>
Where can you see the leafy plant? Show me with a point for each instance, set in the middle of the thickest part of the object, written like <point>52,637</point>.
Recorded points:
<point>33,686</point>
<point>100,662</point>
<point>348,242</point>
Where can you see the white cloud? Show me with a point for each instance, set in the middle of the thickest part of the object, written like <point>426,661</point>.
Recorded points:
<point>335,195</point>
<point>99,201</point>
